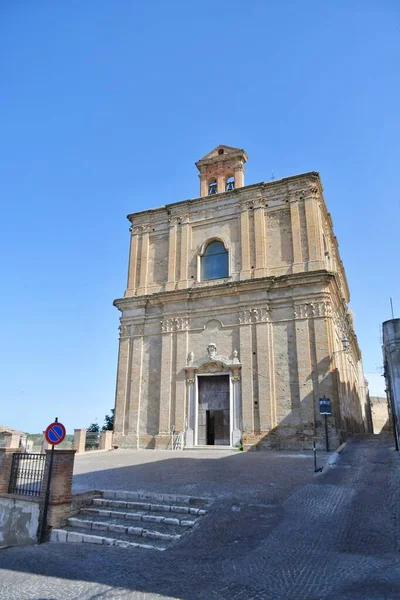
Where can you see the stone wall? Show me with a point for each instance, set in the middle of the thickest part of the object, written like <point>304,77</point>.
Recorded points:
<point>270,229</point>
<point>380,414</point>
<point>19,520</point>
<point>391,356</point>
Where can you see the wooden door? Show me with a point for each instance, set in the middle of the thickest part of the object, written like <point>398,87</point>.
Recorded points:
<point>214,415</point>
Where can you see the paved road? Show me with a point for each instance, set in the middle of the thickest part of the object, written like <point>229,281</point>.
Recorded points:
<point>325,537</point>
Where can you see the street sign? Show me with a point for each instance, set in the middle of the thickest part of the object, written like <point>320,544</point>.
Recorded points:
<point>325,406</point>
<point>55,433</point>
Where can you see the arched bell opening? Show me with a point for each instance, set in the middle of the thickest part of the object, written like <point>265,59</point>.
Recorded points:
<point>230,183</point>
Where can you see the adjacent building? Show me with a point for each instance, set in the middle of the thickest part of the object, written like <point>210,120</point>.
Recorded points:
<point>235,320</point>
<point>391,359</point>
<point>380,414</point>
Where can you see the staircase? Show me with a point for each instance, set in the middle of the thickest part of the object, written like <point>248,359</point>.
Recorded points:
<point>134,520</point>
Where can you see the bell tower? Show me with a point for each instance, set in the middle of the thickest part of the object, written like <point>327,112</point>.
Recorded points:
<point>221,170</point>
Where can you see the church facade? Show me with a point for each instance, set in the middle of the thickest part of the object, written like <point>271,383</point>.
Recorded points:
<point>235,320</point>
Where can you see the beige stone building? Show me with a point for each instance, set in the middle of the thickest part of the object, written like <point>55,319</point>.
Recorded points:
<point>235,319</point>
<point>380,415</point>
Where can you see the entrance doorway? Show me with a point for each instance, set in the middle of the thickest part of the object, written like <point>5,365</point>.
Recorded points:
<point>213,411</point>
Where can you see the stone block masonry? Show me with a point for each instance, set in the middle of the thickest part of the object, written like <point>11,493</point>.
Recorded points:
<point>271,317</point>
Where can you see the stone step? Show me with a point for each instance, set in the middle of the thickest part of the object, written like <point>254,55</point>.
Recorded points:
<point>154,498</point>
<point>213,448</point>
<point>122,528</point>
<point>148,507</point>
<point>166,518</point>
<point>77,535</point>
<point>134,520</point>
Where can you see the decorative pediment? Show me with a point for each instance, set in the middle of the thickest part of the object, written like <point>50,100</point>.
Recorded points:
<point>212,362</point>
<point>216,366</point>
<point>226,150</point>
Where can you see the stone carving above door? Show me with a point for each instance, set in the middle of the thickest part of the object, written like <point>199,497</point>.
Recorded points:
<point>212,362</point>
<point>212,367</point>
<point>212,350</point>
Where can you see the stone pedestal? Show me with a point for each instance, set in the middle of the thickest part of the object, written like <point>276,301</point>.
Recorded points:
<point>79,440</point>
<point>6,457</point>
<point>45,443</point>
<point>11,440</point>
<point>105,440</point>
<point>60,487</point>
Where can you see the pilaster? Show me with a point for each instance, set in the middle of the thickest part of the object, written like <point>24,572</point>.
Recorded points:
<point>171,283</point>
<point>180,376</point>
<point>132,413</point>
<point>247,377</point>
<point>132,269</point>
<point>239,176</point>
<point>185,233</point>
<point>298,265</point>
<point>203,185</point>
<point>271,373</point>
<point>122,382</point>
<point>191,409</point>
<point>245,272</point>
<point>236,407</point>
<point>304,368</point>
<point>263,375</point>
<point>259,241</point>
<point>315,260</point>
<point>221,183</point>
<point>166,375</point>
<point>321,363</point>
<point>144,264</point>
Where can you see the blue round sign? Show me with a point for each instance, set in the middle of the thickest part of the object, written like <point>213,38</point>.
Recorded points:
<point>55,433</point>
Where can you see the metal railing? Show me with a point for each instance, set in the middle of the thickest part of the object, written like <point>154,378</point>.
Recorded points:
<point>92,440</point>
<point>27,472</point>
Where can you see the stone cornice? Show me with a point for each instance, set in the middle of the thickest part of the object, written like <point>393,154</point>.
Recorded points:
<point>231,287</point>
<point>236,194</point>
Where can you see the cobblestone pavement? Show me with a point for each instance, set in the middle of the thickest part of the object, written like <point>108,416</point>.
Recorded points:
<point>213,473</point>
<point>329,536</point>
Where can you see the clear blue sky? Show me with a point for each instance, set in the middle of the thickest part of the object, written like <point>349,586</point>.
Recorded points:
<point>105,107</point>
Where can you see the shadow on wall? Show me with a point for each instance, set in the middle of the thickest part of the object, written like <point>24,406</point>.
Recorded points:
<point>304,425</point>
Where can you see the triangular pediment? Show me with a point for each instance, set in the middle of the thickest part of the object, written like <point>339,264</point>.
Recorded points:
<point>226,150</point>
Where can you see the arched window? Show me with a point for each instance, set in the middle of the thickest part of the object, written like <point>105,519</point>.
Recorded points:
<point>230,184</point>
<point>212,187</point>
<point>214,262</point>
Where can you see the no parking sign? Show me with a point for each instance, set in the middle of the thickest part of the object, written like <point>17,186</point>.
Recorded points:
<point>55,433</point>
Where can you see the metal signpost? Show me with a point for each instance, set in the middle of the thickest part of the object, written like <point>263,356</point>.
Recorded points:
<point>325,409</point>
<point>54,434</point>
<point>316,469</point>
